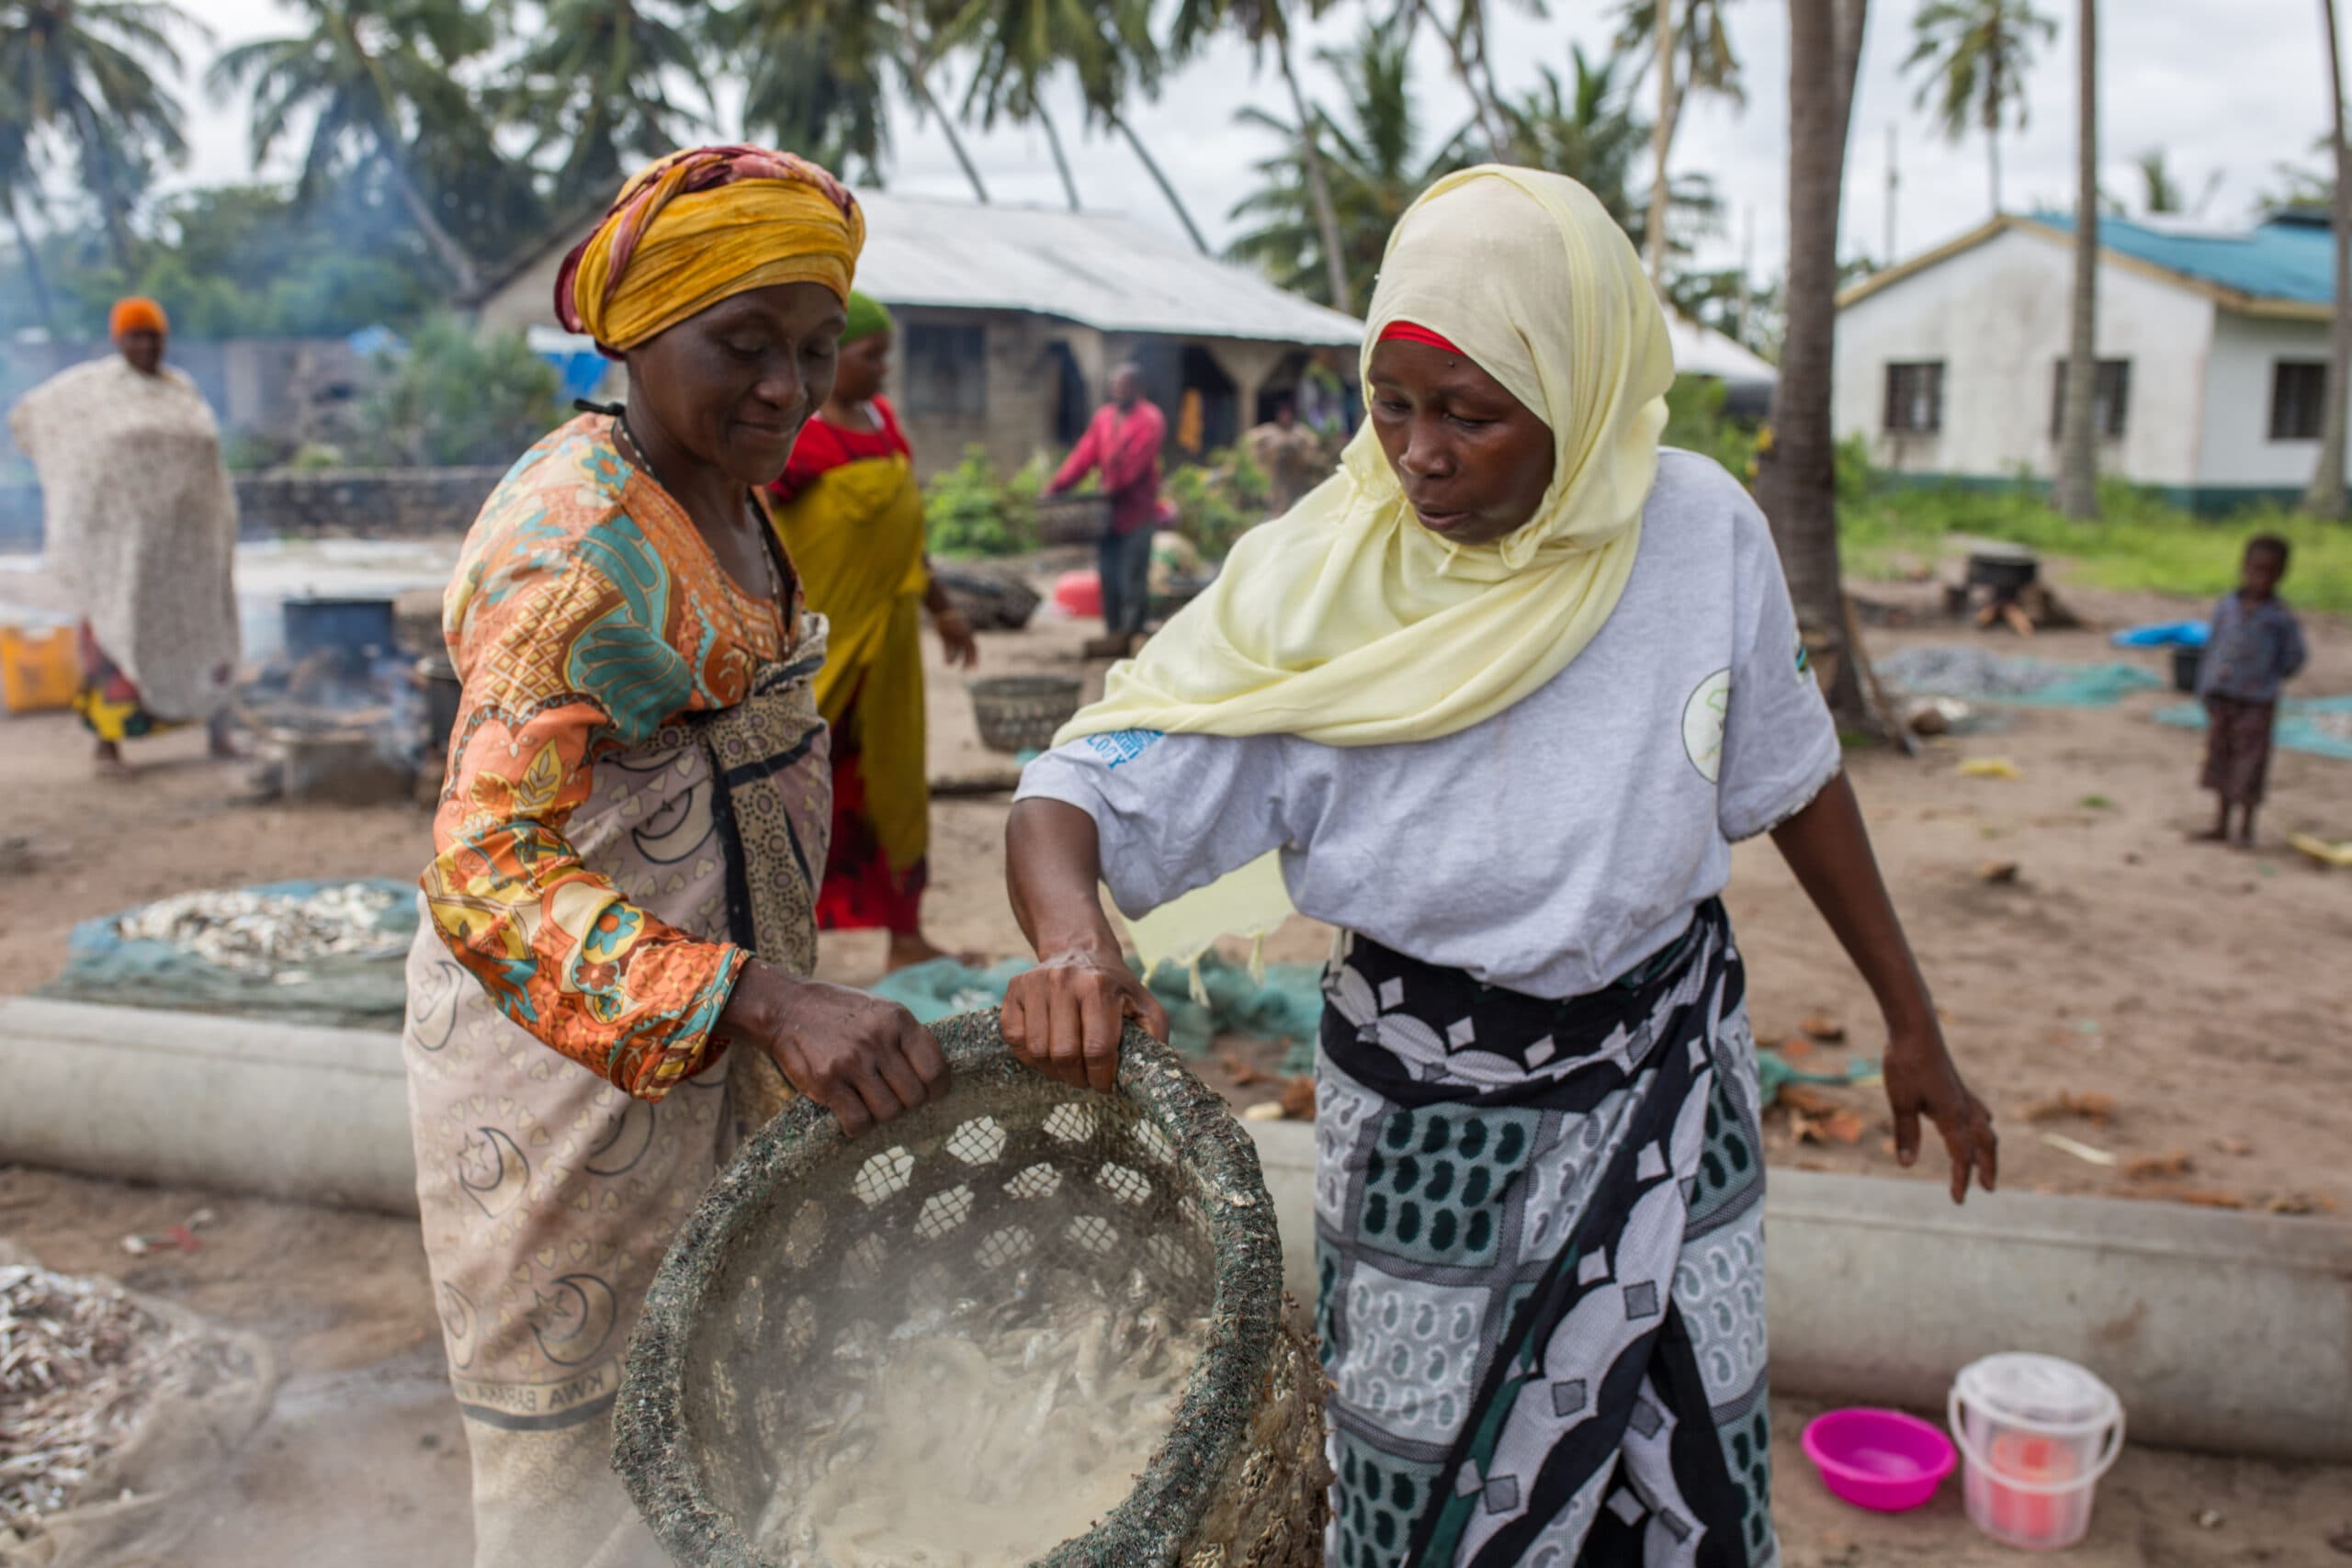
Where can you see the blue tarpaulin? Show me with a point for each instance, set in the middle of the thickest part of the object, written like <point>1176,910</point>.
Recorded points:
<point>580,369</point>
<point>353,990</point>
<point>1287,1006</point>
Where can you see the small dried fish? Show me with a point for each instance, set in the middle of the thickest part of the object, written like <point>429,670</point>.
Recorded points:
<point>79,1364</point>
<point>973,1436</point>
<point>258,933</point>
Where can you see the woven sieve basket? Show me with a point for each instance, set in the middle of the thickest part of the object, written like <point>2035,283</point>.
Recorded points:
<point>1007,1171</point>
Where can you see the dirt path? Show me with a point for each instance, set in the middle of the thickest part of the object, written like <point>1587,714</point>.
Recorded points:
<point>2185,984</point>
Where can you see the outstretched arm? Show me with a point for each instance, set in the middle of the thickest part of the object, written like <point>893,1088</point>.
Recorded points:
<point>1064,1018</point>
<point>1827,847</point>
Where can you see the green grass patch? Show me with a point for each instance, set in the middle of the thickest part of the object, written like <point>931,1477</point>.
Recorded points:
<point>2142,545</point>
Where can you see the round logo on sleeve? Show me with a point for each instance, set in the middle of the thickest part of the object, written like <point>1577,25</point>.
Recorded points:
<point>1702,724</point>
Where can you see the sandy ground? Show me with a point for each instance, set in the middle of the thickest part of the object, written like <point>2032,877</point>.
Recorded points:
<point>2187,985</point>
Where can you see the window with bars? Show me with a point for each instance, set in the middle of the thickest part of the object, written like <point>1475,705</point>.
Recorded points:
<point>2111,399</point>
<point>946,369</point>
<point>2298,398</point>
<point>1915,399</point>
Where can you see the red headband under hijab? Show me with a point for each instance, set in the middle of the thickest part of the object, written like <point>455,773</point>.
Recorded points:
<point>1413,332</point>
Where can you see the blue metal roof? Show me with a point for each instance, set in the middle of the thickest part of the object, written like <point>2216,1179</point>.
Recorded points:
<point>2288,258</point>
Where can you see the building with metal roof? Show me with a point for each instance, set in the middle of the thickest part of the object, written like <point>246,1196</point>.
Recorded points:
<point>1010,318</point>
<point>2212,355</point>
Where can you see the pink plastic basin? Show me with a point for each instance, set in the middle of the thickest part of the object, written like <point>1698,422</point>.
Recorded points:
<point>1080,594</point>
<point>1879,1459</point>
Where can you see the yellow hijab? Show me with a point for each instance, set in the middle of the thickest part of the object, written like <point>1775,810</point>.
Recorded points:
<point>1345,621</point>
<point>697,227</point>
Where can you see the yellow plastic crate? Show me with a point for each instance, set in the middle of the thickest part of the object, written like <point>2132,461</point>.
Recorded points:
<point>40,668</point>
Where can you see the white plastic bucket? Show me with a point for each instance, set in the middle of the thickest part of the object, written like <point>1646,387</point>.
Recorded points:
<point>2035,1434</point>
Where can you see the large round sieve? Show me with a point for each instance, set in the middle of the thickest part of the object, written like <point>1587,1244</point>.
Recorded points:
<point>805,1225</point>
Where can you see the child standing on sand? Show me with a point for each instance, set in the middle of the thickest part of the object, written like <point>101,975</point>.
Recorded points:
<point>2255,645</point>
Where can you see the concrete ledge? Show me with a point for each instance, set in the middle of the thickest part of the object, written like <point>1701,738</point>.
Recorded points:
<point>193,1099</point>
<point>2221,1331</point>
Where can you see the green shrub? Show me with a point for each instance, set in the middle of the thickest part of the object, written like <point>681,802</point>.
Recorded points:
<point>1219,501</point>
<point>1695,422</point>
<point>968,510</point>
<point>453,398</point>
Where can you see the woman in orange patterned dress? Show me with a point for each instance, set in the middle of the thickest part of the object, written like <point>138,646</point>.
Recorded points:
<point>623,883</point>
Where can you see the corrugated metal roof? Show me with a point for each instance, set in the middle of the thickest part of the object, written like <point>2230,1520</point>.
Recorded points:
<point>1097,269</point>
<point>1703,351</point>
<point>2284,259</point>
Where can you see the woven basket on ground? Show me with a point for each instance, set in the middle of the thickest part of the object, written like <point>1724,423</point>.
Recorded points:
<point>1008,1168</point>
<point>1072,519</point>
<point>1022,713</point>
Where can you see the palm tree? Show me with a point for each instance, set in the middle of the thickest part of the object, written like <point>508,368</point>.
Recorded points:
<point>1796,476</point>
<point>2159,187</point>
<point>1465,43</point>
<point>2162,193</point>
<point>87,71</point>
<point>1018,45</point>
<point>1375,165</point>
<point>1265,22</point>
<point>2326,497</point>
<point>20,186</point>
<point>784,46</point>
<point>595,81</point>
<point>1974,55</point>
<point>375,74</point>
<point>2078,448</point>
<point>806,89</point>
<point>1691,51</point>
<point>1586,127</point>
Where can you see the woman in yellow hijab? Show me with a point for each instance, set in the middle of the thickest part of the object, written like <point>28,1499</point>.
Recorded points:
<point>850,511</point>
<point>621,885</point>
<point>1495,701</point>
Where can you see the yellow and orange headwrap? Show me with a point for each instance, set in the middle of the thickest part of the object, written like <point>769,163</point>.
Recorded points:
<point>698,226</point>
<point>137,314</point>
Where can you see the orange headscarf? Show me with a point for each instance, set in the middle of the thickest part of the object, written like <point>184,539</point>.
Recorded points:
<point>699,226</point>
<point>137,314</point>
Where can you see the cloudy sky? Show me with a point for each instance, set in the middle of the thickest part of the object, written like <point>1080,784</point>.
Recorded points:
<point>2228,87</point>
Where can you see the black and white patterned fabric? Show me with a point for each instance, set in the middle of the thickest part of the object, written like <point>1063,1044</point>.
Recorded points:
<point>1540,1241</point>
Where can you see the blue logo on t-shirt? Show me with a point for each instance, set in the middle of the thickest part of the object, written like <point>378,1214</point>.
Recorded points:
<point>1123,746</point>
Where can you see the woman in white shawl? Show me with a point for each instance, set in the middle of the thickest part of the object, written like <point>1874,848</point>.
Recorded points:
<point>142,527</point>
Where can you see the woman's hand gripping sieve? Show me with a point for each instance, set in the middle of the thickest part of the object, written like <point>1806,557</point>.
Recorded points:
<point>866,1060</point>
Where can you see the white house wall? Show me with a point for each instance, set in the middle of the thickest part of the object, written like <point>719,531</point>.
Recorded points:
<point>1998,319</point>
<point>2237,451</point>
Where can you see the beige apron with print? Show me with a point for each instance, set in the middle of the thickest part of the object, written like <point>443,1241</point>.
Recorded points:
<point>548,1195</point>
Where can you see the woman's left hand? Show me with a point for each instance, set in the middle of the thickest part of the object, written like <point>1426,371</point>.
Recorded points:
<point>1921,1080</point>
<point>955,637</point>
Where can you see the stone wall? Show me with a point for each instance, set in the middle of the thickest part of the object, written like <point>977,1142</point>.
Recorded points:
<point>362,504</point>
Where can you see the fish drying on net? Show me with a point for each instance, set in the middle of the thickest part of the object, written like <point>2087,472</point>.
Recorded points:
<point>973,1436</point>
<point>240,928</point>
<point>79,1365</point>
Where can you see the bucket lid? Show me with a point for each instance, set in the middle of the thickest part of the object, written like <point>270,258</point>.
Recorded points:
<point>2023,1389</point>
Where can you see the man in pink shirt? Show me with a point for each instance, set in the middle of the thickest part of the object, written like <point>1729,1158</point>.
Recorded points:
<point>1123,443</point>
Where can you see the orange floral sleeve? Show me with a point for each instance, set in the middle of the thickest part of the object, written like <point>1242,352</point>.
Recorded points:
<point>574,643</point>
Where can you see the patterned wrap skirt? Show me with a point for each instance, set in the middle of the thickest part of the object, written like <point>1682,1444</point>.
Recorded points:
<point>1539,1231</point>
<point>108,702</point>
<point>549,1196</point>
<point>2238,748</point>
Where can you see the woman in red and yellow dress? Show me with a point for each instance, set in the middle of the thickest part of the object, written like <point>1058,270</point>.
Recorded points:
<point>849,513</point>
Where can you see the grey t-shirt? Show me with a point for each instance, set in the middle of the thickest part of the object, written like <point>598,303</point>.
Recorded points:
<point>1549,849</point>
